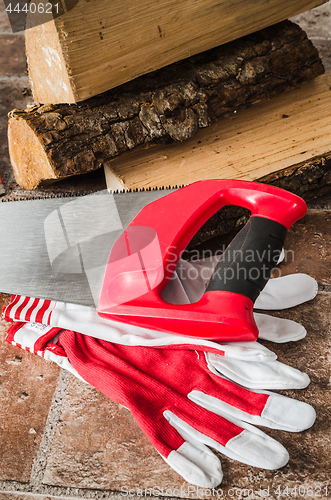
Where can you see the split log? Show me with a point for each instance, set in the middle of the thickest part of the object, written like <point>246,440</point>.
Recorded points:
<point>98,44</point>
<point>52,142</point>
<point>285,141</point>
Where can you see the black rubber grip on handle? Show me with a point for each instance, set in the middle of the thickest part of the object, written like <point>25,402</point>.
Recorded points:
<point>247,263</point>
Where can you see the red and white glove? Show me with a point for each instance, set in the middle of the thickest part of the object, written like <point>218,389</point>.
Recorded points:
<point>86,320</point>
<point>279,293</point>
<point>181,399</point>
<point>247,355</point>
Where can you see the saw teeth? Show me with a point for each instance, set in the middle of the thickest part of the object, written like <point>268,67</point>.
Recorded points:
<point>71,194</point>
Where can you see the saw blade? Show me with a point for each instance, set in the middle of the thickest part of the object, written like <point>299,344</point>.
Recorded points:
<point>58,248</point>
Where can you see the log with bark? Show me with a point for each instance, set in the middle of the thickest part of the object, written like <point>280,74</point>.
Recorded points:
<point>99,44</point>
<point>50,142</point>
<point>285,141</point>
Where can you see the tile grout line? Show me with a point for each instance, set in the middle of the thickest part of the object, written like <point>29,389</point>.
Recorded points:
<point>9,31</point>
<point>40,496</point>
<point>72,493</point>
<point>7,78</point>
<point>40,462</point>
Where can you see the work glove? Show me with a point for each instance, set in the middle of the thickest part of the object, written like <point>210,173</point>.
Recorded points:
<point>183,399</point>
<point>185,287</point>
<point>248,356</point>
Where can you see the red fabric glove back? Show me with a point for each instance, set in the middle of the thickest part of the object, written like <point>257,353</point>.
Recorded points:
<point>179,398</point>
<point>139,379</point>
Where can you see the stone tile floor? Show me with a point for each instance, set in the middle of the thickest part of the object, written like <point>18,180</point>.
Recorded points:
<point>60,438</point>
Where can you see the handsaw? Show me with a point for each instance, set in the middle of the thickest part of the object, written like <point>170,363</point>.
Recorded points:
<point>66,249</point>
<point>58,248</point>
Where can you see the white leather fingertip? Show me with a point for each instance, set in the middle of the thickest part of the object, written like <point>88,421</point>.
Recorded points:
<point>195,466</point>
<point>286,291</point>
<point>278,330</point>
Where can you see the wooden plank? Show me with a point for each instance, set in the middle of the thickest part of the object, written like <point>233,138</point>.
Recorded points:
<point>99,44</point>
<point>288,131</point>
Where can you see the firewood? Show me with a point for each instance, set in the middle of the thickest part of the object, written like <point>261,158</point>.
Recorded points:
<point>100,44</point>
<point>51,142</point>
<point>285,141</point>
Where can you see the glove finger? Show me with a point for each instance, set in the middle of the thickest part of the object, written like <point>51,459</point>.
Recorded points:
<point>249,446</point>
<point>287,291</point>
<point>278,412</point>
<point>278,330</point>
<point>196,463</point>
<point>258,375</point>
<point>189,457</point>
<point>248,351</point>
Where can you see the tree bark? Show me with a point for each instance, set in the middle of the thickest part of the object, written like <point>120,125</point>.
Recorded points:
<point>50,142</point>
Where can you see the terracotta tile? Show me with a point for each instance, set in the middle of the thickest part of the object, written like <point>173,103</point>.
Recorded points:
<point>308,247</point>
<point>27,387</point>
<point>5,26</point>
<point>310,241</point>
<point>321,203</point>
<point>316,22</point>
<point>99,445</point>
<point>14,24</point>
<point>12,56</point>
<point>324,49</point>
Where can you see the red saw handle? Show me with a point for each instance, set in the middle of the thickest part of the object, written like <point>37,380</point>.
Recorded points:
<point>144,258</point>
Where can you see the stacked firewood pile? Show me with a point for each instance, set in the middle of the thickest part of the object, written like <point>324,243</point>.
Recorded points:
<point>146,129</point>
